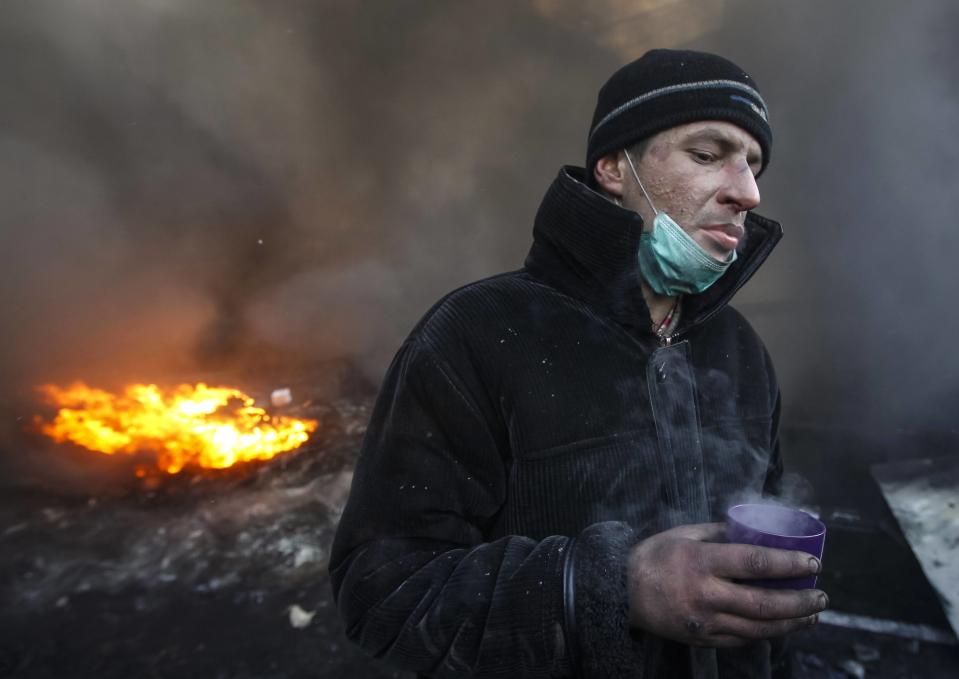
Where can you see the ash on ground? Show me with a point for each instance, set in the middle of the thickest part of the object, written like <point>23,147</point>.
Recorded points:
<point>205,574</point>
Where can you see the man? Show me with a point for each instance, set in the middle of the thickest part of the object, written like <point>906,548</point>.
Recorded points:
<point>534,492</point>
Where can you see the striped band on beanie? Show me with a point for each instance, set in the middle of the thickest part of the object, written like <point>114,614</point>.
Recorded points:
<point>666,88</point>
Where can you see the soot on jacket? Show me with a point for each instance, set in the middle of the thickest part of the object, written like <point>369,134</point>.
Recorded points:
<point>528,432</point>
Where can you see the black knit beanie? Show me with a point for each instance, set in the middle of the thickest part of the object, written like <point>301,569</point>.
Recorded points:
<point>665,88</point>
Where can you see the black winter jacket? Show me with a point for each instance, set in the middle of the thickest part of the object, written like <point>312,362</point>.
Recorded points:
<point>528,432</point>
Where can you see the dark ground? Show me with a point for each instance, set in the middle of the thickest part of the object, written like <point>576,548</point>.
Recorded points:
<point>186,576</point>
<point>196,575</point>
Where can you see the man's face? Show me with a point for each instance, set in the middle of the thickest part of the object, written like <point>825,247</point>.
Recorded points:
<point>703,175</point>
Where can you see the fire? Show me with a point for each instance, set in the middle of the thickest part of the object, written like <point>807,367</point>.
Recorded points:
<point>212,427</point>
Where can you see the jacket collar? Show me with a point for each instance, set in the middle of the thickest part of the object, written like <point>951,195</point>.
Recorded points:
<point>586,246</point>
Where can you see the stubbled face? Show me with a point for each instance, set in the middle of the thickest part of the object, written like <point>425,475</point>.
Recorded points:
<point>703,175</point>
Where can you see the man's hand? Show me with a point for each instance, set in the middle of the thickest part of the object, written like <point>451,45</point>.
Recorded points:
<point>681,587</point>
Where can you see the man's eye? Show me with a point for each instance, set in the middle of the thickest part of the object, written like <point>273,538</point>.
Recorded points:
<point>702,156</point>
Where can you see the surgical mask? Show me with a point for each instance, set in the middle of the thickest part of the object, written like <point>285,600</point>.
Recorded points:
<point>672,262</point>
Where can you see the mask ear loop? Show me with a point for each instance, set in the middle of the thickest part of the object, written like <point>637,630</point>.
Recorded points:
<point>633,168</point>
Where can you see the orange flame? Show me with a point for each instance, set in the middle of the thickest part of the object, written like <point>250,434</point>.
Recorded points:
<point>213,427</point>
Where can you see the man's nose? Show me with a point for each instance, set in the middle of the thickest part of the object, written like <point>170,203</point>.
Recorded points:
<point>740,189</point>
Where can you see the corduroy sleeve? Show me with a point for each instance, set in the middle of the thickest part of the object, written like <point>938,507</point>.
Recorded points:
<point>414,580</point>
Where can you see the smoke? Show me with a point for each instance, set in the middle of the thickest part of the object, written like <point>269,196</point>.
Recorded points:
<point>192,187</point>
<point>856,305</point>
<point>188,186</point>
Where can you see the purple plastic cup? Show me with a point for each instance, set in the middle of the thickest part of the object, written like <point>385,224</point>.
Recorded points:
<point>779,527</point>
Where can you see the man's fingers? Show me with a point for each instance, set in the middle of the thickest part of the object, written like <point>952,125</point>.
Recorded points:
<point>757,603</point>
<point>746,562</point>
<point>725,626</point>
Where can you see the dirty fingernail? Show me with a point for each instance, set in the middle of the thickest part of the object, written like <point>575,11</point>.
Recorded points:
<point>813,620</point>
<point>823,600</point>
<point>814,565</point>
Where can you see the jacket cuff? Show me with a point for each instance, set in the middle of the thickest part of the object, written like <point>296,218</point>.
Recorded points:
<point>600,606</point>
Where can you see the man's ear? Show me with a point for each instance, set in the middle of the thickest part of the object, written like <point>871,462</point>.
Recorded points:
<point>609,173</point>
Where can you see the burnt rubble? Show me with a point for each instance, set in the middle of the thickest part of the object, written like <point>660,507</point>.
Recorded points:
<point>204,573</point>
